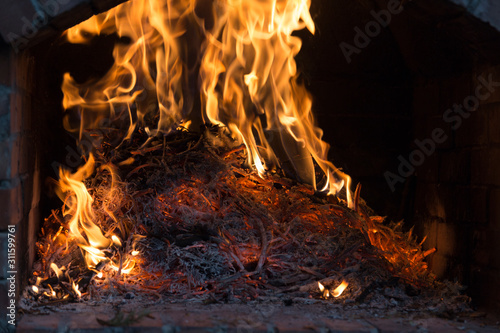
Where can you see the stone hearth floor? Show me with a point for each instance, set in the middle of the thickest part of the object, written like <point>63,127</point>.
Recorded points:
<point>183,317</point>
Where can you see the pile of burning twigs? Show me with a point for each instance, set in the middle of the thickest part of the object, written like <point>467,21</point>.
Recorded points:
<point>189,219</point>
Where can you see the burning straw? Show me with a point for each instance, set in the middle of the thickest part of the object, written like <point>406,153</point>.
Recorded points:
<point>186,217</point>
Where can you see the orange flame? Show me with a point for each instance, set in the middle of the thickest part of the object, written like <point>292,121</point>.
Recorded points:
<point>56,270</point>
<point>79,207</point>
<point>340,289</point>
<point>248,77</point>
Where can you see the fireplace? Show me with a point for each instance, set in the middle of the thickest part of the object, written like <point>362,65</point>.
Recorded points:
<point>409,109</point>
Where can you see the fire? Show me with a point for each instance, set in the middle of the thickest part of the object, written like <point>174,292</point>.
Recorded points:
<point>75,288</point>
<point>248,83</point>
<point>79,207</point>
<point>337,292</point>
<point>247,74</point>
<point>56,270</point>
<point>340,289</point>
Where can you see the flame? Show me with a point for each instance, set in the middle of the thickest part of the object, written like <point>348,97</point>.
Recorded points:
<point>244,55</point>
<point>56,270</point>
<point>116,240</point>
<point>76,289</point>
<point>340,289</point>
<point>323,290</point>
<point>79,207</point>
<point>250,55</point>
<point>335,293</point>
<point>35,289</point>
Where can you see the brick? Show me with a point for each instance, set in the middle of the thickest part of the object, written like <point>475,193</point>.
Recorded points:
<point>479,205</point>
<point>5,157</point>
<point>439,265</point>
<point>9,154</point>
<point>426,99</point>
<point>31,191</point>
<point>486,246</point>
<point>3,254</point>
<point>462,204</point>
<point>455,167</point>
<point>429,170</point>
<point>5,65</point>
<point>5,127</point>
<point>481,252</point>
<point>293,323</point>
<point>17,107</point>
<point>455,89</point>
<point>434,201</point>
<point>483,288</point>
<point>494,204</point>
<point>494,71</point>
<point>425,126</point>
<point>337,325</point>
<point>4,299</point>
<point>25,152</point>
<point>23,69</point>
<point>4,98</point>
<point>446,239</point>
<point>11,204</point>
<point>484,166</point>
<point>473,130</point>
<point>493,122</point>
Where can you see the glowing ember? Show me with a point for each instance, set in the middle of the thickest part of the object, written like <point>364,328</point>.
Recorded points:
<point>35,289</point>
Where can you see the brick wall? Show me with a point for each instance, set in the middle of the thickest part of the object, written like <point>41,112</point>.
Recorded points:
<point>458,193</point>
<point>19,174</point>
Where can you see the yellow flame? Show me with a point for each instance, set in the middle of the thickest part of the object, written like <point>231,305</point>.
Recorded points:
<point>116,240</point>
<point>340,289</point>
<point>76,289</point>
<point>244,51</point>
<point>88,235</point>
<point>35,289</point>
<point>56,270</point>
